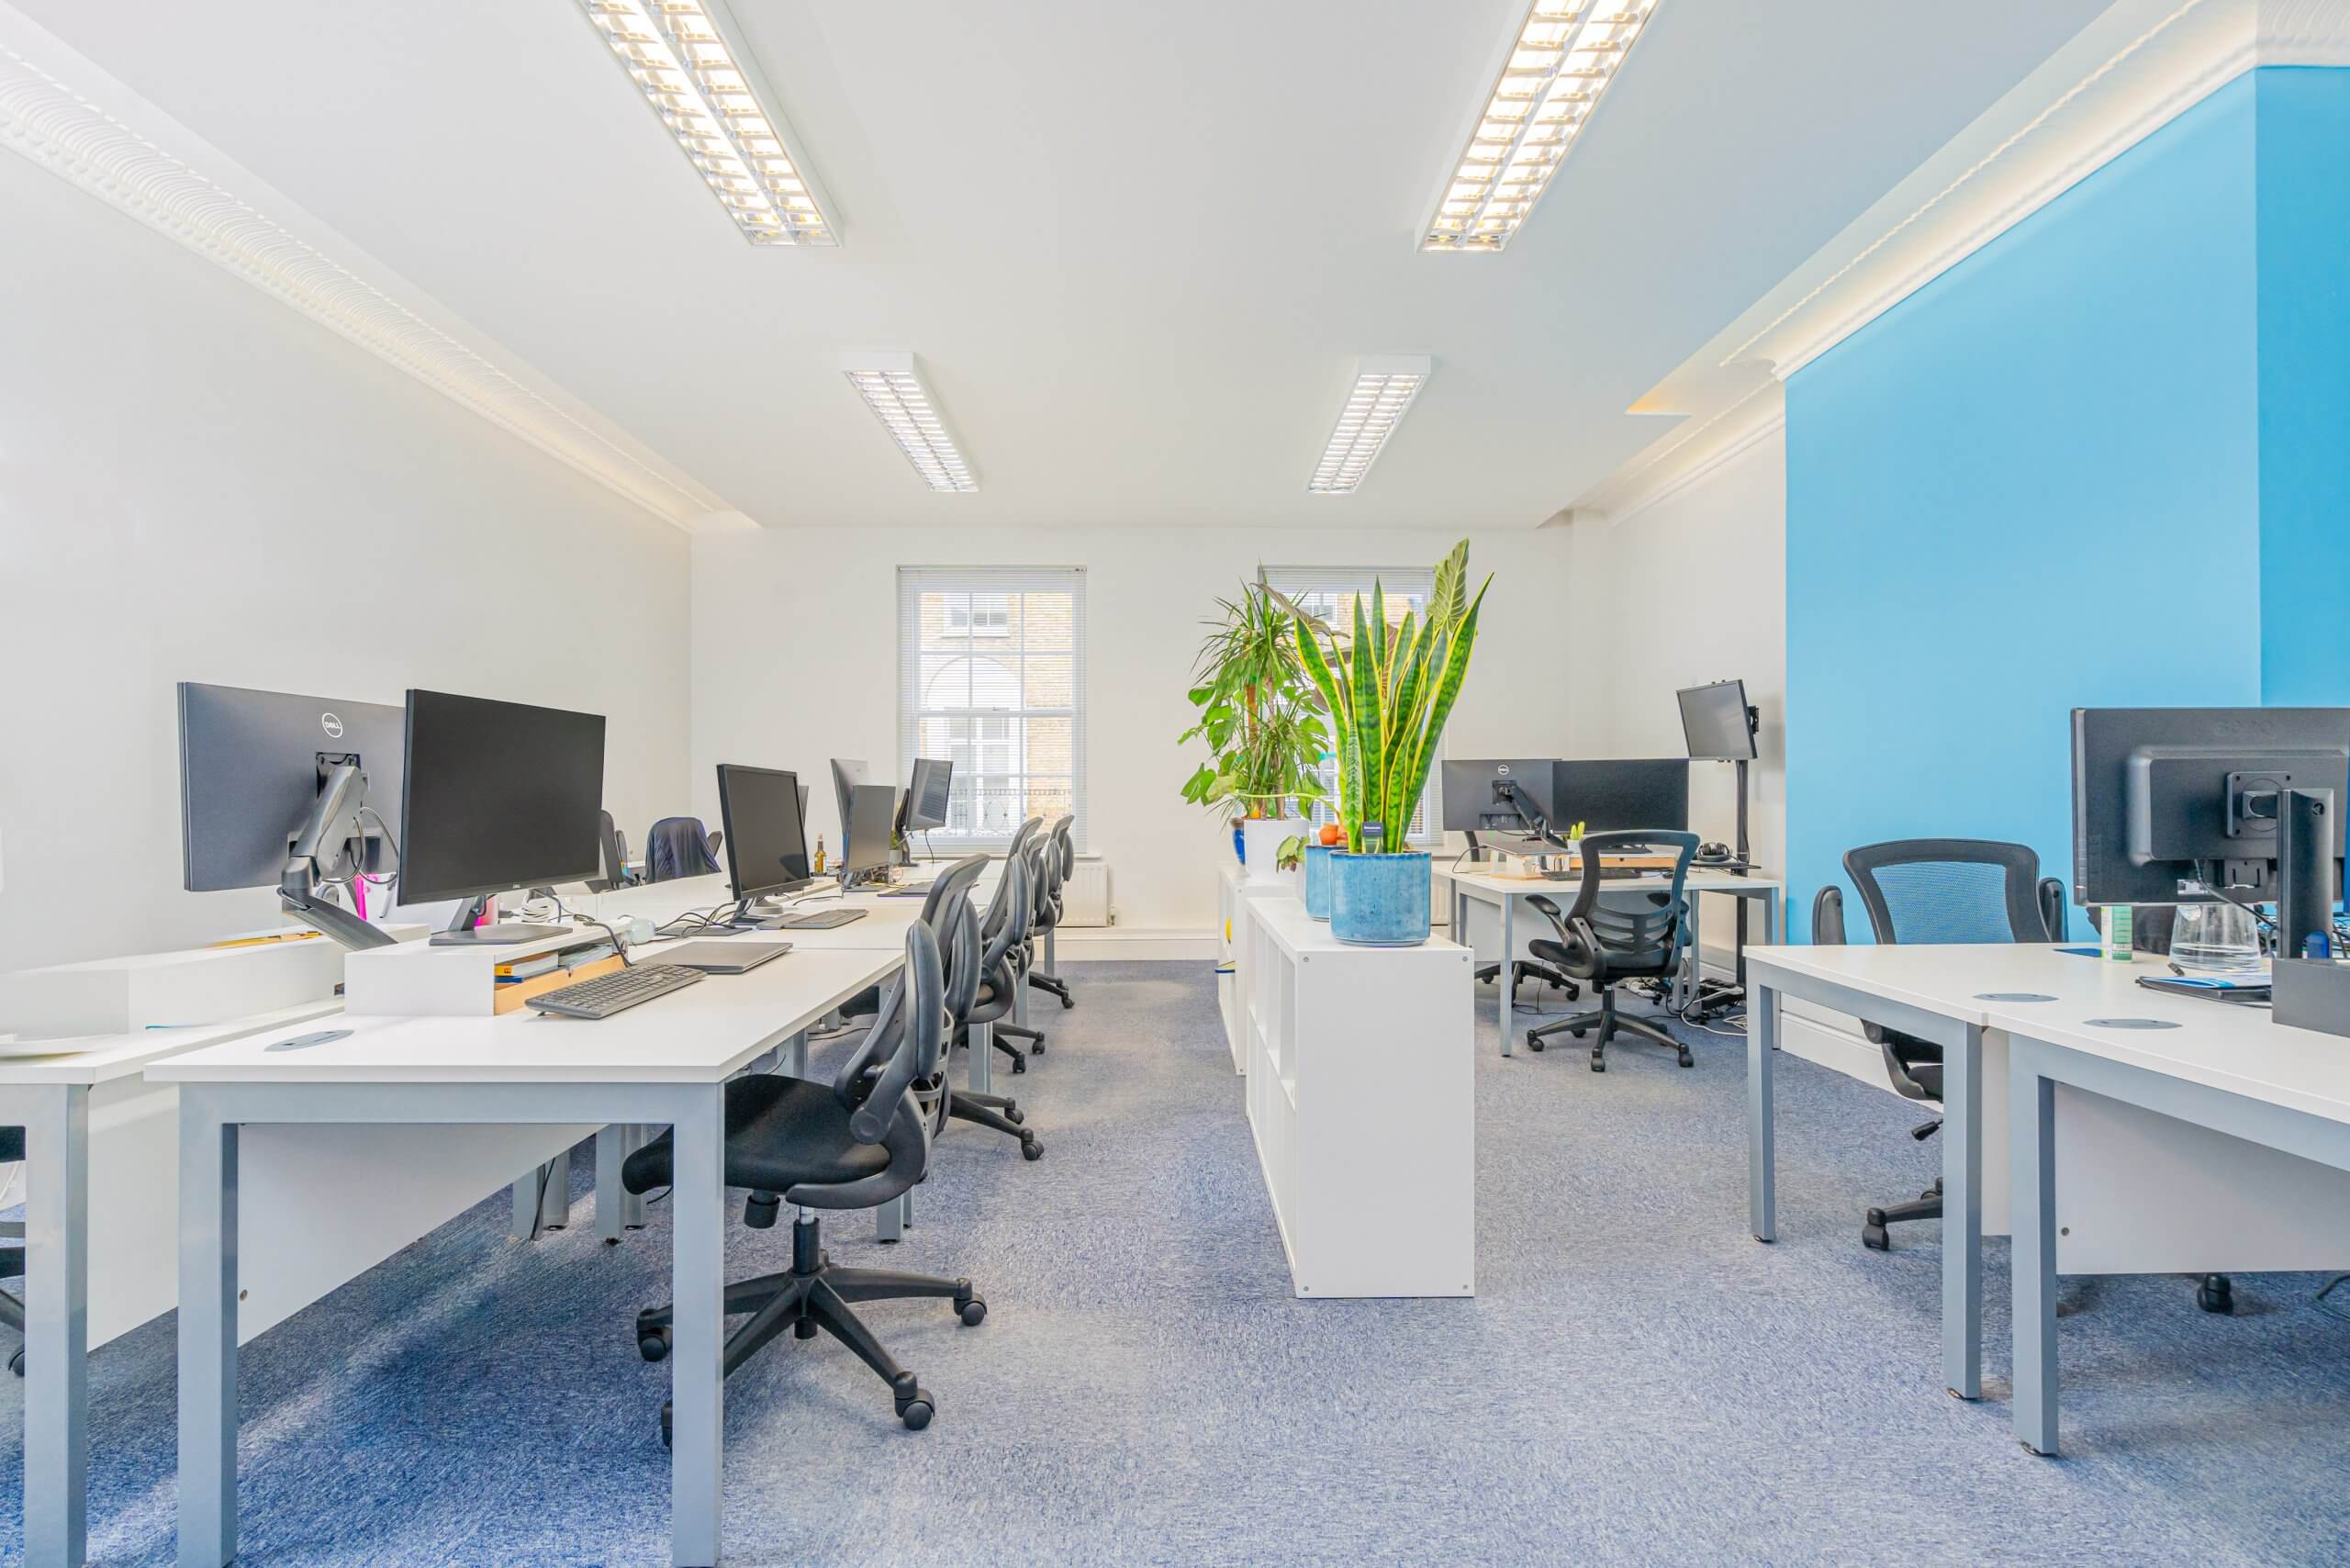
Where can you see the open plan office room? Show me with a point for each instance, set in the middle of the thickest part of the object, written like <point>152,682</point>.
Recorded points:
<point>1464,781</point>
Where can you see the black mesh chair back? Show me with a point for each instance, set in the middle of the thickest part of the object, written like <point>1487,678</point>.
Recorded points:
<point>1028,830</point>
<point>1635,938</point>
<point>955,920</point>
<point>676,846</point>
<point>1967,890</point>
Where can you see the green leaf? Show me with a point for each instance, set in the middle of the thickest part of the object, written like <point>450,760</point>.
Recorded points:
<point>1369,719</point>
<point>1447,690</point>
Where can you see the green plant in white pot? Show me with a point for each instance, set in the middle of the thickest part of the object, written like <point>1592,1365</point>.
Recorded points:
<point>1389,691</point>
<point>1264,732</point>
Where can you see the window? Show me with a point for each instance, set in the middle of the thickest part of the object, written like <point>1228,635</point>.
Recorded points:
<point>1330,592</point>
<point>992,678</point>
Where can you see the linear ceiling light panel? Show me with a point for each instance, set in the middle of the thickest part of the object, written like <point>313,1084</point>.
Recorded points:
<point>1564,57</point>
<point>1383,390</point>
<point>893,390</point>
<point>707,92</point>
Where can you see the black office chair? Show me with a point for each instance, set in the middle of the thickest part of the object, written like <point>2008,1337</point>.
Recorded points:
<point>676,846</point>
<point>1004,939</point>
<point>1604,944</point>
<point>855,1143</point>
<point>1946,890</point>
<point>958,921</point>
<point>12,1251</point>
<point>1059,862</point>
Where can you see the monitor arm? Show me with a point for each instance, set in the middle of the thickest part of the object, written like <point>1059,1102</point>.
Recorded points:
<point>318,846</point>
<point>1536,827</point>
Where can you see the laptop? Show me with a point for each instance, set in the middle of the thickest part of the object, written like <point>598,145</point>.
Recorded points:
<point>721,958</point>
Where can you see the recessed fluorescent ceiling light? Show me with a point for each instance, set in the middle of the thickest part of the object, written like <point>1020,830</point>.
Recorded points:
<point>893,390</point>
<point>1564,57</point>
<point>1383,390</point>
<point>709,96</point>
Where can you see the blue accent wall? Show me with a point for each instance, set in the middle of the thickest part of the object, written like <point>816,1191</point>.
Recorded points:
<point>2304,228</point>
<point>2032,486</point>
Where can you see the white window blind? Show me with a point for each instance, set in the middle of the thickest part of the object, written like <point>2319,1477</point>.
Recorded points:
<point>992,678</point>
<point>1330,592</point>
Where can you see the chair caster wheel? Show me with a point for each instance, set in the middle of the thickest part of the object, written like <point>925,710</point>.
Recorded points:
<point>1873,1235</point>
<point>1598,1062</point>
<point>1019,1064</point>
<point>1578,1033</point>
<point>973,1312</point>
<point>1013,1114</point>
<point>17,1362</point>
<point>1031,1149</point>
<point>1686,1060</point>
<point>914,1407</point>
<point>668,1439</point>
<point>1533,1041</point>
<point>2212,1293</point>
<point>654,1344</point>
<point>1037,1050</point>
<point>1068,1002</point>
<point>1930,1192</point>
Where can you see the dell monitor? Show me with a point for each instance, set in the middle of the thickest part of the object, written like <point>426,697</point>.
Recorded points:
<point>1717,722</point>
<point>766,837</point>
<point>286,791</point>
<point>871,807</point>
<point>1619,796</point>
<point>924,806</point>
<point>2169,803</point>
<point>500,795</point>
<point>1516,796</point>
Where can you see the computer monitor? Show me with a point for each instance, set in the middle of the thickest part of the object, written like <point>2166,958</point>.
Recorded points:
<point>1500,796</point>
<point>847,774</point>
<point>766,837</point>
<point>1717,722</point>
<point>1618,796</point>
<point>926,795</point>
<point>871,806</point>
<point>2163,797</point>
<point>500,795</point>
<point>287,791</point>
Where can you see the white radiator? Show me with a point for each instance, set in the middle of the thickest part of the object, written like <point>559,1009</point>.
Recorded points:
<point>1086,900</point>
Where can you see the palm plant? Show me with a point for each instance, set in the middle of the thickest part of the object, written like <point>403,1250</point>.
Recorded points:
<point>1389,692</point>
<point>1257,711</point>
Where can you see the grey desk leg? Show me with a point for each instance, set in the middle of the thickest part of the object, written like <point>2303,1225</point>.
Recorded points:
<point>1693,967</point>
<point>1762,1135</point>
<point>525,1226</point>
<point>1509,957</point>
<point>697,1380</point>
<point>1020,997</point>
<point>555,1193</point>
<point>2032,1206</point>
<point>1962,1217</point>
<point>207,1323</point>
<point>890,1220</point>
<point>1052,954</point>
<point>982,1063</point>
<point>795,1055</point>
<point>57,1328</point>
<point>617,1209</point>
<point>1771,918</point>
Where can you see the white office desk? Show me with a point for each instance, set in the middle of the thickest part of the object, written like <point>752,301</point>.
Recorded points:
<point>1478,884</point>
<point>2143,1196</point>
<point>2226,1068</point>
<point>664,1062</point>
<point>49,1098</point>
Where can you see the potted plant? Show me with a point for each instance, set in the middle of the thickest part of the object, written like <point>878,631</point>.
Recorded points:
<point>1389,691</point>
<point>1259,716</point>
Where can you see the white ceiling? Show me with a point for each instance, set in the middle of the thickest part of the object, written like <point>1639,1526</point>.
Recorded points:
<point>1137,247</point>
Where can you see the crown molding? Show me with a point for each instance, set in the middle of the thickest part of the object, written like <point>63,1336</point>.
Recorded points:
<point>1694,450</point>
<point>142,164</point>
<point>2136,68</point>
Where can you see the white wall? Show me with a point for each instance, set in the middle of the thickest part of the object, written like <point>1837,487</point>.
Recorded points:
<point>197,482</point>
<point>759,599</point>
<point>1693,588</point>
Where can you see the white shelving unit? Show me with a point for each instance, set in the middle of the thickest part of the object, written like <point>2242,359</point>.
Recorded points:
<point>1236,898</point>
<point>1361,1094</point>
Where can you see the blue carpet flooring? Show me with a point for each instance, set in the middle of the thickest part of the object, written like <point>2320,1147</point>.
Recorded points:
<point>1637,1380</point>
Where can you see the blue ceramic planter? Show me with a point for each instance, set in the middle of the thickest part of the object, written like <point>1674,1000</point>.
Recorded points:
<point>1317,881</point>
<point>1379,901</point>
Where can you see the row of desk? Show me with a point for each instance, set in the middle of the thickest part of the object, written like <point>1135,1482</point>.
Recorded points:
<point>260,1098</point>
<point>2268,1107</point>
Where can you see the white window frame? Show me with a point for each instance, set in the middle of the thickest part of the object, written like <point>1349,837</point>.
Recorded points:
<point>990,638</point>
<point>1413,584</point>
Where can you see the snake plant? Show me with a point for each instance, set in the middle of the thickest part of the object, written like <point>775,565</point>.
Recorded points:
<point>1389,691</point>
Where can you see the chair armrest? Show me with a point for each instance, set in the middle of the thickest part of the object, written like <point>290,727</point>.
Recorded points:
<point>1828,917</point>
<point>2052,907</point>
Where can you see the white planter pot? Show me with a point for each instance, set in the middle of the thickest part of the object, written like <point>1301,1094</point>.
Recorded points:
<point>1262,838</point>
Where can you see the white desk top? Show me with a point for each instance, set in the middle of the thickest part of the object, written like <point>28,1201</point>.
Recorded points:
<point>1302,936</point>
<point>1701,879</point>
<point>101,1058</point>
<point>701,1035</point>
<point>2237,1049</point>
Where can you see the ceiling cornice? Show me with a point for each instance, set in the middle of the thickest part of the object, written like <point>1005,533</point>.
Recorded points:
<point>1696,450</point>
<point>2136,68</point>
<point>140,162</point>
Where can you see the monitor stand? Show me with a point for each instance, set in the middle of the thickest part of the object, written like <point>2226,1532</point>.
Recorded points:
<point>461,932</point>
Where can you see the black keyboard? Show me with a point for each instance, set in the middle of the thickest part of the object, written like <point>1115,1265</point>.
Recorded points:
<point>615,992</point>
<point>821,920</point>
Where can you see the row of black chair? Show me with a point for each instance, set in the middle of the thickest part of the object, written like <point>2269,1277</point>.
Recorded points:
<point>864,1139</point>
